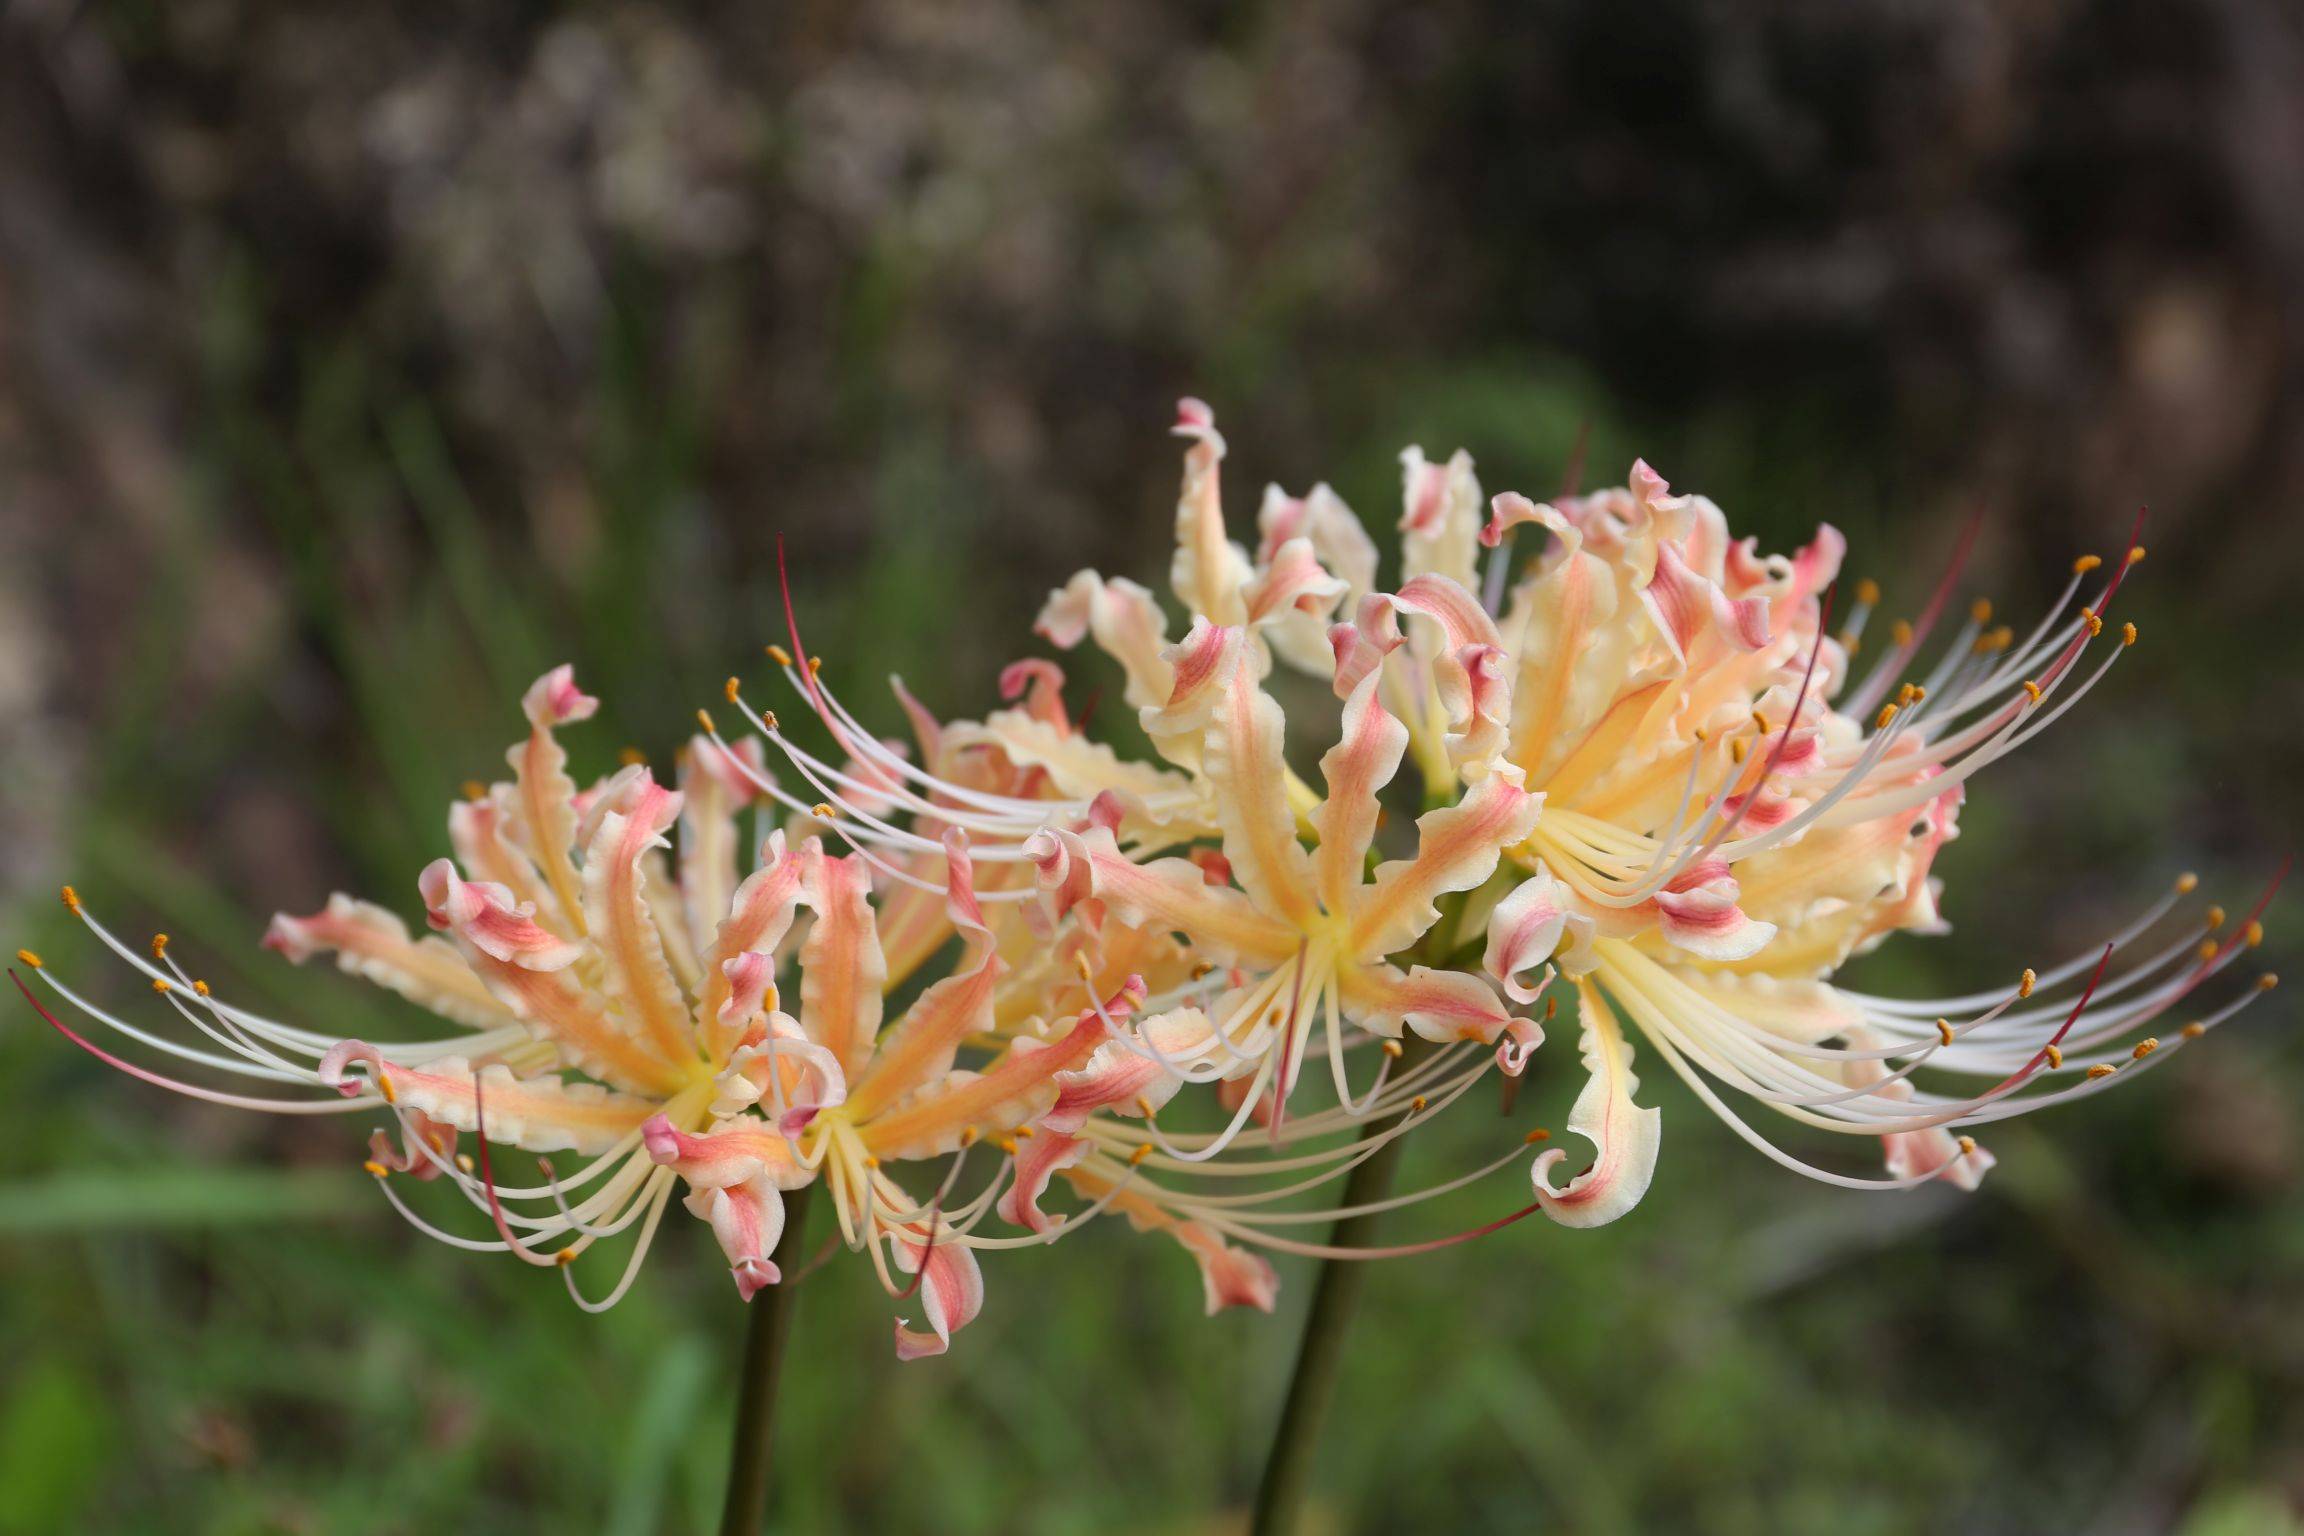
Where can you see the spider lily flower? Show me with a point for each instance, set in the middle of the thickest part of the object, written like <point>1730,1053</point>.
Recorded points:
<point>615,1004</point>
<point>1729,817</point>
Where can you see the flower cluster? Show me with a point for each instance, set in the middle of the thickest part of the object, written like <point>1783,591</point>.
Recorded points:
<point>1647,769</point>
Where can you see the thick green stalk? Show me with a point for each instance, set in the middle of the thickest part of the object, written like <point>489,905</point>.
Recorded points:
<point>1320,1355</point>
<point>751,1459</point>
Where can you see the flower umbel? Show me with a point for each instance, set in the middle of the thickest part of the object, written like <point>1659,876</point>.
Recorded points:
<point>1642,760</point>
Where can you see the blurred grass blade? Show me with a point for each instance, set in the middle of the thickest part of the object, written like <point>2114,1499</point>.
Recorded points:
<point>668,1406</point>
<point>146,1198</point>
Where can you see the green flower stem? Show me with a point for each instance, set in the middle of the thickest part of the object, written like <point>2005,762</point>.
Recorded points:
<point>751,1459</point>
<point>1335,1297</point>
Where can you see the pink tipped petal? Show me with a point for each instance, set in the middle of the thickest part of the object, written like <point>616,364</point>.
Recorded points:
<point>1242,761</point>
<point>748,1219</point>
<point>1232,1277</point>
<point>638,979</point>
<point>1366,756</point>
<point>1698,913</point>
<point>1174,894</point>
<point>373,944</point>
<point>1534,924</point>
<point>842,969</point>
<point>554,699</point>
<point>1624,1135</point>
<point>1037,1161</point>
<point>737,1151</point>
<point>485,915</point>
<point>951,1294</point>
<point>1457,847</point>
<point>1127,625</point>
<point>540,1114</point>
<point>1438,1005</point>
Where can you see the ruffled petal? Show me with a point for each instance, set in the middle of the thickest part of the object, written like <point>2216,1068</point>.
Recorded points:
<point>1438,1005</point>
<point>1243,762</point>
<point>1456,849</point>
<point>1366,756</point>
<point>1127,624</point>
<point>842,970</point>
<point>1534,924</point>
<point>951,1294</point>
<point>748,1219</point>
<point>638,980</point>
<point>1037,1160</point>
<point>1623,1135</point>
<point>373,944</point>
<point>539,1114</point>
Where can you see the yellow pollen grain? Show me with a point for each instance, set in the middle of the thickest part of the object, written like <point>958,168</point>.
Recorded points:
<point>159,946</point>
<point>2215,918</point>
<point>1080,964</point>
<point>1887,713</point>
<point>2193,1030</point>
<point>2127,634</point>
<point>1417,1104</point>
<point>376,1170</point>
<point>2253,934</point>
<point>1907,694</point>
<point>1981,610</point>
<point>1535,1136</point>
<point>1944,1030</point>
<point>815,665</point>
<point>2086,563</point>
<point>1849,642</point>
<point>870,1161</point>
<point>475,790</point>
<point>464,1162</point>
<point>768,721</point>
<point>2267,982</point>
<point>2055,1055</point>
<point>1967,1146</point>
<point>565,1256</point>
<point>824,811</point>
<point>1760,722</point>
<point>1393,1049</point>
<point>704,719</point>
<point>2032,690</point>
<point>1007,1144</point>
<point>969,1135</point>
<point>2095,626</point>
<point>28,958</point>
<point>1901,633</point>
<point>1737,748</point>
<point>2208,950</point>
<point>1202,970</point>
<point>384,1087</point>
<point>1867,591</point>
<point>71,899</point>
<point>2024,987</point>
<point>1551,1009</point>
<point>2135,553</point>
<point>1024,1133</point>
<point>631,757</point>
<point>778,655</point>
<point>161,984</point>
<point>2101,1070</point>
<point>199,986</point>
<point>1145,1107</point>
<point>2187,883</point>
<point>732,688</point>
<point>1143,1151</point>
<point>2144,1048</point>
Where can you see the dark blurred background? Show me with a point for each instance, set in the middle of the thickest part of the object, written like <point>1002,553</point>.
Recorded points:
<point>359,360</point>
